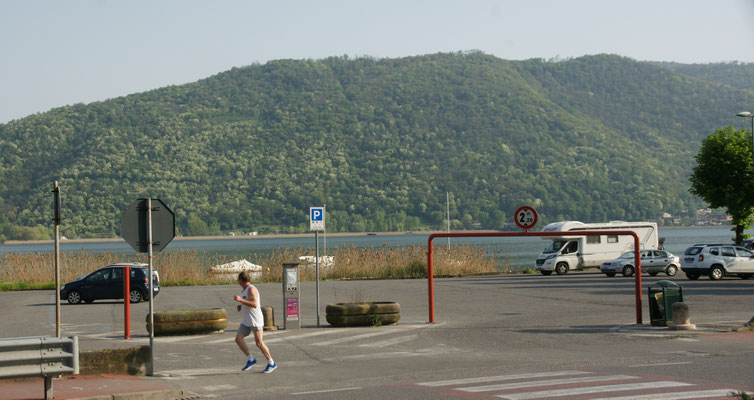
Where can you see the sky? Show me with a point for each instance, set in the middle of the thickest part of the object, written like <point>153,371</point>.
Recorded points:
<point>55,53</point>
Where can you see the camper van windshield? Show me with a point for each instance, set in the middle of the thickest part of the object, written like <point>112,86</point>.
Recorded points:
<point>555,246</point>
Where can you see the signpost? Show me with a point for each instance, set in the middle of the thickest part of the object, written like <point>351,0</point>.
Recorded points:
<point>316,224</point>
<point>148,225</point>
<point>56,220</point>
<point>525,217</point>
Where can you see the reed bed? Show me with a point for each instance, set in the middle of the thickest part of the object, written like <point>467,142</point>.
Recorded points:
<point>190,267</point>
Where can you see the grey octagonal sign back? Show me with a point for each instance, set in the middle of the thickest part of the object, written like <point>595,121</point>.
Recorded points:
<point>134,225</point>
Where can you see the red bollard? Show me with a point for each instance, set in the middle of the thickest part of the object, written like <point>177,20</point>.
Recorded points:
<point>127,302</point>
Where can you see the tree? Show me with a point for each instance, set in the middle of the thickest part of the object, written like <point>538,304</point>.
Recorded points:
<point>723,176</point>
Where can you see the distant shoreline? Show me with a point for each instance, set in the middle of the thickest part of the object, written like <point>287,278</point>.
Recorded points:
<point>188,238</point>
<point>288,235</point>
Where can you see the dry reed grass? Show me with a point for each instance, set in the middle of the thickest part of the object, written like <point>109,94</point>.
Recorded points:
<point>189,267</point>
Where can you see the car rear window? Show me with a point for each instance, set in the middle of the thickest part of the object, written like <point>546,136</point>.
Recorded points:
<point>743,252</point>
<point>692,251</point>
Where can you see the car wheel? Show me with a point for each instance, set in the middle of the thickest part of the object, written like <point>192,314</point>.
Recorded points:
<point>628,270</point>
<point>716,273</point>
<point>74,297</point>
<point>135,296</point>
<point>692,275</point>
<point>561,268</point>
<point>546,273</point>
<point>610,274</point>
<point>744,276</point>
<point>653,273</point>
<point>671,270</point>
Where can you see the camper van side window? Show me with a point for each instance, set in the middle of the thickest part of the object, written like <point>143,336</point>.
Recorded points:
<point>612,238</point>
<point>593,239</point>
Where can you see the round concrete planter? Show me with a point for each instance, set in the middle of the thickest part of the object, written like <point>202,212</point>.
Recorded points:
<point>189,322</point>
<point>363,314</point>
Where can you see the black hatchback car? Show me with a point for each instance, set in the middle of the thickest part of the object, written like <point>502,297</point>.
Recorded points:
<point>107,283</point>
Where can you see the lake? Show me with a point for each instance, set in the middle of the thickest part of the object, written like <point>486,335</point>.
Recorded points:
<point>520,252</point>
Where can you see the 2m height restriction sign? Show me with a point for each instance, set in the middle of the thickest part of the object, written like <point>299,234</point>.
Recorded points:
<point>316,218</point>
<point>525,217</point>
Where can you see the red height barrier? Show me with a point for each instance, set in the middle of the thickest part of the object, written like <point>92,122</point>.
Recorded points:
<point>430,268</point>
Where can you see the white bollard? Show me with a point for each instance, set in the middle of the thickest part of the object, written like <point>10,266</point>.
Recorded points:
<point>681,320</point>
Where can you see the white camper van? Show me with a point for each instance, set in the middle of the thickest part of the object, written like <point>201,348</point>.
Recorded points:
<point>568,252</point>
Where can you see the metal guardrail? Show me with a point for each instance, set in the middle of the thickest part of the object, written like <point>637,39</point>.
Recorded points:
<point>46,357</point>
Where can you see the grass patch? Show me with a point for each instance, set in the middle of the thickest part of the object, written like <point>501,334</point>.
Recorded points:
<point>12,286</point>
<point>740,395</point>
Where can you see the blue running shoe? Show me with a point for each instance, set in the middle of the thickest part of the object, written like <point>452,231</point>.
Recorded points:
<point>248,365</point>
<point>270,368</point>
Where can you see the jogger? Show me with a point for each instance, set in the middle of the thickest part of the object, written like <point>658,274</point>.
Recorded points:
<point>253,321</point>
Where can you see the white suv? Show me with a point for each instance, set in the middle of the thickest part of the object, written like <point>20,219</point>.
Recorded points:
<point>717,260</point>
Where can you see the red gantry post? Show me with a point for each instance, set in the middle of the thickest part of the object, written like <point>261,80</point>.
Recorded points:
<point>637,257</point>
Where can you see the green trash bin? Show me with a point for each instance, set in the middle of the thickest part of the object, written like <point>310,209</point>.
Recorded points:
<point>661,297</point>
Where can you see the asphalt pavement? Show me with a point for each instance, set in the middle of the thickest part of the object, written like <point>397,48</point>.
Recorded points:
<point>518,336</point>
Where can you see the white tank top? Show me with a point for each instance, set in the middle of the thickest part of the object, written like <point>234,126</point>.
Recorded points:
<point>252,317</point>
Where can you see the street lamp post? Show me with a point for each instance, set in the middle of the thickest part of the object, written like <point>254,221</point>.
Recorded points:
<point>746,114</point>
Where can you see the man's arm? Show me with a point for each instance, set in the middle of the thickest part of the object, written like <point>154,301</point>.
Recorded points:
<point>252,302</point>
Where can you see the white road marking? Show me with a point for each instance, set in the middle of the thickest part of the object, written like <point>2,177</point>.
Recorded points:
<point>223,340</point>
<point>216,388</point>
<point>364,336</point>
<point>501,378</point>
<point>592,389</point>
<point>200,372</point>
<point>549,382</point>
<point>303,335</point>
<point>390,342</point>
<point>659,364</point>
<point>327,391</point>
<point>676,395</point>
<point>431,351</point>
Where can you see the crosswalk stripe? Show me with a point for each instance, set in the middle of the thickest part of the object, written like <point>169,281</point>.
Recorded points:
<point>509,377</point>
<point>223,340</point>
<point>549,382</point>
<point>303,335</point>
<point>592,389</point>
<point>676,395</point>
<point>363,336</point>
<point>390,342</point>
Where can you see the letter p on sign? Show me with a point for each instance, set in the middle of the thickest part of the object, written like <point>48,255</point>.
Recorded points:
<point>316,218</point>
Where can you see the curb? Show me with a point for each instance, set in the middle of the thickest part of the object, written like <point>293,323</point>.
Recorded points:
<point>174,394</point>
<point>663,331</point>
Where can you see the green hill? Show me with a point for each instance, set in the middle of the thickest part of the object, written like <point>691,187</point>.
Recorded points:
<point>379,141</point>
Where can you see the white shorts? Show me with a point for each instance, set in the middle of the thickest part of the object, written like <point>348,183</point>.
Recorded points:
<point>246,330</point>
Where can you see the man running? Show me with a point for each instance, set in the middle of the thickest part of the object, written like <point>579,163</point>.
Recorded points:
<point>253,321</point>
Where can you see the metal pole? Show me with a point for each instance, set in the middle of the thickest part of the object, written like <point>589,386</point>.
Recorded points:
<point>56,191</point>
<point>150,370</point>
<point>316,270</point>
<point>430,282</point>
<point>127,302</point>
<point>447,209</point>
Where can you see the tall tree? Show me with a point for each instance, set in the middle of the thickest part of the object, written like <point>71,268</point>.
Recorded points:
<point>723,176</point>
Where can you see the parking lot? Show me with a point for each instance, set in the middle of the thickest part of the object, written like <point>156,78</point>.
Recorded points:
<point>579,327</point>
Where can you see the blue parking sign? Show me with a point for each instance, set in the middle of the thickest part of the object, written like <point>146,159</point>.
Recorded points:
<point>316,218</point>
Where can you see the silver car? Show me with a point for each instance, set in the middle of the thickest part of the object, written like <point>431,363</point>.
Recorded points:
<point>652,262</point>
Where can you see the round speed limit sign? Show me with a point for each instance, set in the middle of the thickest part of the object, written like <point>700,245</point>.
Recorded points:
<point>526,217</point>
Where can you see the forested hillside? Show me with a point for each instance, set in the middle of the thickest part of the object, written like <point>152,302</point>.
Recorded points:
<point>379,141</point>
<point>733,74</point>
